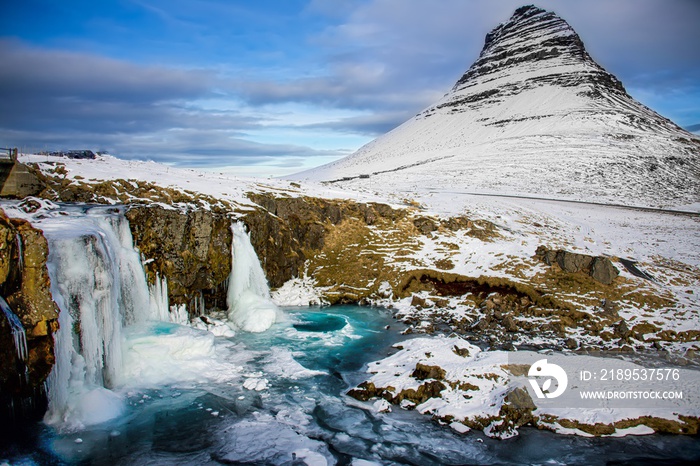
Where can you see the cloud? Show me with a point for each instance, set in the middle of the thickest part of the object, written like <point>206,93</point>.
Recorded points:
<point>59,100</point>
<point>380,61</point>
<point>55,73</point>
<point>371,125</point>
<point>400,55</point>
<point>64,90</point>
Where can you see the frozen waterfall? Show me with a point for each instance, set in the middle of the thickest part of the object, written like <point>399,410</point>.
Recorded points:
<point>98,282</point>
<point>248,298</point>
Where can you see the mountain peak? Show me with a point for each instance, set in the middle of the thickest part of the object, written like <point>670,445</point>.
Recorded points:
<point>534,38</point>
<point>535,114</point>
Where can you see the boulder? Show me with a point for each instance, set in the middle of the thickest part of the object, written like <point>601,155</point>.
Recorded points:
<point>599,268</point>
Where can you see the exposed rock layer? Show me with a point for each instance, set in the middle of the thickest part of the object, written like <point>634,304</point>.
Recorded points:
<point>599,268</point>
<point>191,249</point>
<point>24,283</point>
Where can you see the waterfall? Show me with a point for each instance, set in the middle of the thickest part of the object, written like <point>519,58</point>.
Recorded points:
<point>248,297</point>
<point>98,282</point>
<point>18,333</point>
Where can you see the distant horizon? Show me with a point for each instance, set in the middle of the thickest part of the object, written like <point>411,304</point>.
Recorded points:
<point>273,88</point>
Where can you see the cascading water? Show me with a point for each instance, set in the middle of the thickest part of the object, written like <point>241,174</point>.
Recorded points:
<point>248,297</point>
<point>99,285</point>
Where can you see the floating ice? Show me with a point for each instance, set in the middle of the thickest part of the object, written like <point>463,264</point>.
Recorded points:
<point>161,353</point>
<point>265,441</point>
<point>248,299</point>
<point>255,384</point>
<point>216,327</point>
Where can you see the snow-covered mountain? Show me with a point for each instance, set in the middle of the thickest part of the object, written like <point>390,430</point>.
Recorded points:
<point>534,115</point>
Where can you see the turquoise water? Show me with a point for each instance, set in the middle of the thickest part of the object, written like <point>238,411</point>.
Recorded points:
<point>300,415</point>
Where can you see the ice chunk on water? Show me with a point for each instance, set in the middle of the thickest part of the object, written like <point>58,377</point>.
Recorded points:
<point>255,384</point>
<point>265,441</point>
<point>97,406</point>
<point>309,457</point>
<point>281,362</point>
<point>160,353</point>
<point>217,327</point>
<point>381,406</point>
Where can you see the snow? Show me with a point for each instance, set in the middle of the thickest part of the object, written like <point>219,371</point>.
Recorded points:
<point>298,292</point>
<point>221,187</point>
<point>487,381</point>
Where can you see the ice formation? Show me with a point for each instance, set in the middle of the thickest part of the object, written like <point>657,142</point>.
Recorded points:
<point>248,298</point>
<point>159,300</point>
<point>98,282</point>
<point>18,333</point>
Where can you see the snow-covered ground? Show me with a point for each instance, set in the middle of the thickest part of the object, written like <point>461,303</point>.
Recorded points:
<point>221,187</point>
<point>476,387</point>
<point>666,245</point>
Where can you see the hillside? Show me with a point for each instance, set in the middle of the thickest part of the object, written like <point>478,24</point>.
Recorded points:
<point>534,115</point>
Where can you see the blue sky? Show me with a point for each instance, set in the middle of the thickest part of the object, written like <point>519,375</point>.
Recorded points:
<point>274,87</point>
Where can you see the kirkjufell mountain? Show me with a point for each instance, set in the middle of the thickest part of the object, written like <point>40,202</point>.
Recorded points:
<point>534,115</point>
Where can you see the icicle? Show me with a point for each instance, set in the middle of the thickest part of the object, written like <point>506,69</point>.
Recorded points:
<point>18,333</point>
<point>159,299</point>
<point>248,297</point>
<point>199,308</point>
<point>179,315</point>
<point>20,251</point>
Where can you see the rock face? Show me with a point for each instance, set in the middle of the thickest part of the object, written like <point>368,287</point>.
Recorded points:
<point>534,114</point>
<point>25,285</point>
<point>599,268</point>
<point>192,249</point>
<point>287,231</point>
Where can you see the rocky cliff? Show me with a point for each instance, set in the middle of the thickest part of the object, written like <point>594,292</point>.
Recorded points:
<point>191,249</point>
<point>24,283</point>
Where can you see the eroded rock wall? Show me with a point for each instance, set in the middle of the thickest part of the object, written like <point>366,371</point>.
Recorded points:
<point>192,249</point>
<point>25,285</point>
<point>286,232</point>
